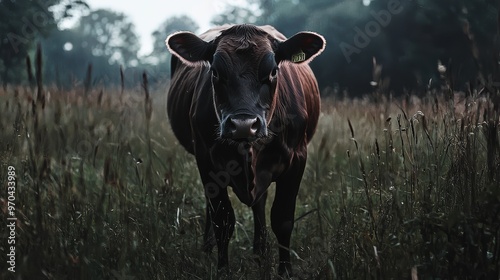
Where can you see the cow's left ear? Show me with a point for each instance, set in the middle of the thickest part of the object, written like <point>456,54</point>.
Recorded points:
<point>189,48</point>
<point>302,47</point>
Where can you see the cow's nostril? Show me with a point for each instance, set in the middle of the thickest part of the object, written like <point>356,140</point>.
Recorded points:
<point>231,126</point>
<point>255,126</point>
<point>243,127</point>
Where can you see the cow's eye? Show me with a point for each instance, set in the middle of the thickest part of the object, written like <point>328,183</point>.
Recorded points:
<point>274,74</point>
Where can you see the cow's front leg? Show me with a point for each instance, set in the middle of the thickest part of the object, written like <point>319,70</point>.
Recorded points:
<point>260,232</point>
<point>208,238</point>
<point>220,213</point>
<point>283,212</point>
<point>222,216</point>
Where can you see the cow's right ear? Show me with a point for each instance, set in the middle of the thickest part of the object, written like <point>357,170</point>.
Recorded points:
<point>189,48</point>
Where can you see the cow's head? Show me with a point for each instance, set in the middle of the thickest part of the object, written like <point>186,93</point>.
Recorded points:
<point>244,64</point>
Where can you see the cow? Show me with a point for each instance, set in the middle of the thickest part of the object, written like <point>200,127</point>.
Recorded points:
<point>244,101</point>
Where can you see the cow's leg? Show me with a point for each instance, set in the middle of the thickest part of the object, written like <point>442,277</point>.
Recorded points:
<point>222,215</point>
<point>219,210</point>
<point>260,232</point>
<point>209,237</point>
<point>283,211</point>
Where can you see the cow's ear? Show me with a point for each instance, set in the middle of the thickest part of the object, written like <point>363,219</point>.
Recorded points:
<point>302,47</point>
<point>189,48</point>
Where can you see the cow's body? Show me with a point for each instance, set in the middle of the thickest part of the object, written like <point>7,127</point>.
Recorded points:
<point>275,128</point>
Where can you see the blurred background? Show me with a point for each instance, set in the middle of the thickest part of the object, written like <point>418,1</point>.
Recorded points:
<point>395,188</point>
<point>396,45</point>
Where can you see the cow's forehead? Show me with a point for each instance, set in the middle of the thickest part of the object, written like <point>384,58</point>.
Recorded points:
<point>235,45</point>
<point>244,39</point>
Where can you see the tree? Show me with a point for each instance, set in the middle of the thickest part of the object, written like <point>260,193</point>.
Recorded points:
<point>407,37</point>
<point>103,39</point>
<point>336,21</point>
<point>159,55</point>
<point>459,34</point>
<point>68,57</point>
<point>238,13</point>
<point>110,34</point>
<point>23,22</point>
<point>66,9</point>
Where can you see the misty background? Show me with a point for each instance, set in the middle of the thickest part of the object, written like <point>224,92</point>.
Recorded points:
<point>394,46</point>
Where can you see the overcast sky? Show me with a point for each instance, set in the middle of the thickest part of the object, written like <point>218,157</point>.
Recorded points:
<point>147,15</point>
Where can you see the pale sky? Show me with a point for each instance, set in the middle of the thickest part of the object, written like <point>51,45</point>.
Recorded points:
<point>147,15</point>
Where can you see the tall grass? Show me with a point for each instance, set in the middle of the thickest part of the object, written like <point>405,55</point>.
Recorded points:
<point>393,189</point>
<point>416,190</point>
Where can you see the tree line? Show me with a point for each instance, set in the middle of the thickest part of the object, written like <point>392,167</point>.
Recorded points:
<point>390,45</point>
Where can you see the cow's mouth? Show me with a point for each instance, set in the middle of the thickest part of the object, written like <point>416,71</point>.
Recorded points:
<point>259,140</point>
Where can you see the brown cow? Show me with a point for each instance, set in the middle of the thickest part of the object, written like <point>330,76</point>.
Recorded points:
<point>245,103</point>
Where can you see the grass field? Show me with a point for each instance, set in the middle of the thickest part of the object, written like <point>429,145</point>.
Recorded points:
<point>394,189</point>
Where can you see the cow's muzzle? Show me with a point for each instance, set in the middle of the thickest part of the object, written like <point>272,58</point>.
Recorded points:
<point>243,127</point>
